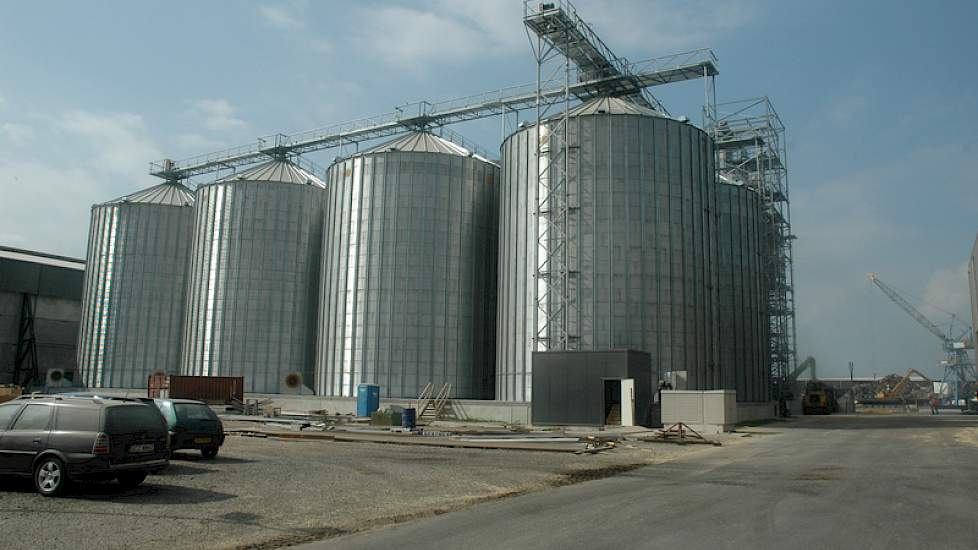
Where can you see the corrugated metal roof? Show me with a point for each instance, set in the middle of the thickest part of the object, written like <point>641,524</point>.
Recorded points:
<point>279,171</point>
<point>41,258</point>
<point>420,142</point>
<point>168,193</point>
<point>611,106</point>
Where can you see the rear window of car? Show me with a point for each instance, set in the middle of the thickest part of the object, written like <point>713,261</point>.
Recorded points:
<point>34,417</point>
<point>7,413</point>
<point>194,411</point>
<point>77,419</point>
<point>132,418</point>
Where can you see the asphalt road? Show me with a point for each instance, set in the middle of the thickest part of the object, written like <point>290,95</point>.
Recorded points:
<point>867,482</point>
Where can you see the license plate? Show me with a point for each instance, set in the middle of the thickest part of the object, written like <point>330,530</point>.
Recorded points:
<point>143,448</point>
<point>202,440</point>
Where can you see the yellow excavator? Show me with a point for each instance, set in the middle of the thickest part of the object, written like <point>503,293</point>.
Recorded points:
<point>897,389</point>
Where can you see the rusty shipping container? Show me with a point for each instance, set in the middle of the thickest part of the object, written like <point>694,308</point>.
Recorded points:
<point>211,389</point>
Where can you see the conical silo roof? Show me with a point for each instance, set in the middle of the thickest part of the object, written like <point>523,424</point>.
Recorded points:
<point>421,142</point>
<point>279,171</point>
<point>167,194</point>
<point>611,106</point>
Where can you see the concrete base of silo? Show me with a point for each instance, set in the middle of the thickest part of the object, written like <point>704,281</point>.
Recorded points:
<point>752,412</point>
<point>472,410</point>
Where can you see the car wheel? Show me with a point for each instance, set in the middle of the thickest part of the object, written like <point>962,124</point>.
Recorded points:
<point>209,452</point>
<point>50,476</point>
<point>131,479</point>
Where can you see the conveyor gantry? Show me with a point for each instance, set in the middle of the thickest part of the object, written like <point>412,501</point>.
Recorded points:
<point>559,26</point>
<point>599,73</point>
<point>653,72</point>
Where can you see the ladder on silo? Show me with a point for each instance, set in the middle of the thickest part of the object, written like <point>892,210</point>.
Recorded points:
<point>431,406</point>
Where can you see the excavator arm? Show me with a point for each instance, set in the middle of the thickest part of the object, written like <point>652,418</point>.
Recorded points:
<point>895,391</point>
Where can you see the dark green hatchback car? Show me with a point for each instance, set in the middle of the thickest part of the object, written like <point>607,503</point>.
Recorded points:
<point>192,425</point>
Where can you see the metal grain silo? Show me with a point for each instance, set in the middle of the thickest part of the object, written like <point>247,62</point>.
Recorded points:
<point>408,287</point>
<point>742,294</point>
<point>639,243</point>
<point>251,300</point>
<point>135,278</point>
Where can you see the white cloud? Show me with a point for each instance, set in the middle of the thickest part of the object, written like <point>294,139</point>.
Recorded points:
<point>663,27</point>
<point>442,31</point>
<point>58,220</point>
<point>466,30</point>
<point>947,291</point>
<point>321,45</point>
<point>218,115</point>
<point>286,16</point>
<point>191,144</point>
<point>16,134</point>
<point>90,158</point>
<point>118,140</point>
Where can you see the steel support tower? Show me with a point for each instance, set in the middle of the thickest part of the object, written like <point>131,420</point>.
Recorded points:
<point>25,361</point>
<point>751,151</point>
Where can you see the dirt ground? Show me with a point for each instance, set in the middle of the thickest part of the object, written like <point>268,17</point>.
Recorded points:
<point>267,493</point>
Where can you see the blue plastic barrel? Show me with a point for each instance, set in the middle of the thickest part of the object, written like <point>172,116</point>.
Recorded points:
<point>409,418</point>
<point>368,399</point>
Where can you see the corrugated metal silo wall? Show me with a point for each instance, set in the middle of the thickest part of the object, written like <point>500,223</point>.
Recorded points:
<point>133,298</point>
<point>251,302</point>
<point>742,292</point>
<point>642,240</point>
<point>409,278</point>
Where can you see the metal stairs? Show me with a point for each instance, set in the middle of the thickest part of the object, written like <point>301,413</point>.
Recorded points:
<point>430,406</point>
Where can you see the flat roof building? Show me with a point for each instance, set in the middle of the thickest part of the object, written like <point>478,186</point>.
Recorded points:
<point>40,312</point>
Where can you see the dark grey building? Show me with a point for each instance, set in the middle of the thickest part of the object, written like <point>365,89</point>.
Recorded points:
<point>40,311</point>
<point>590,388</point>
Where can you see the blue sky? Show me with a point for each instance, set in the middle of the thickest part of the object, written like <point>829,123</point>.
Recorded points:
<point>878,97</point>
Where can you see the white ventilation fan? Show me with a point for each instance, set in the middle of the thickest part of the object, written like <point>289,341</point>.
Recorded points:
<point>293,384</point>
<point>55,378</point>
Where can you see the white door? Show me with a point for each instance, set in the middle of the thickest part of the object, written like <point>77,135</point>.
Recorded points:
<point>628,402</point>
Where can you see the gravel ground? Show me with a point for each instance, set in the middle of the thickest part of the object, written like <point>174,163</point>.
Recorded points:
<point>267,493</point>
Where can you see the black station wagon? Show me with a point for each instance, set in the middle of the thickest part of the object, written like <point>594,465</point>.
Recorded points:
<point>56,439</point>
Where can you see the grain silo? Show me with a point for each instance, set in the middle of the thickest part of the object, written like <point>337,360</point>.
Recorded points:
<point>251,301</point>
<point>135,278</point>
<point>408,279</point>
<point>742,293</point>
<point>638,243</point>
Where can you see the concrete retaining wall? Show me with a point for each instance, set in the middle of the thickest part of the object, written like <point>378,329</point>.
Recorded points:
<point>461,409</point>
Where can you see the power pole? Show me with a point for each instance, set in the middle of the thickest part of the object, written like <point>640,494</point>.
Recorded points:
<point>852,388</point>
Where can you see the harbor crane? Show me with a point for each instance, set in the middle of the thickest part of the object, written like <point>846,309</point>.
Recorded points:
<point>958,365</point>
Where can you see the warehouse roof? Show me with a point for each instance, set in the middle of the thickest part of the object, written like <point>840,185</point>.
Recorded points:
<point>42,258</point>
<point>168,193</point>
<point>278,171</point>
